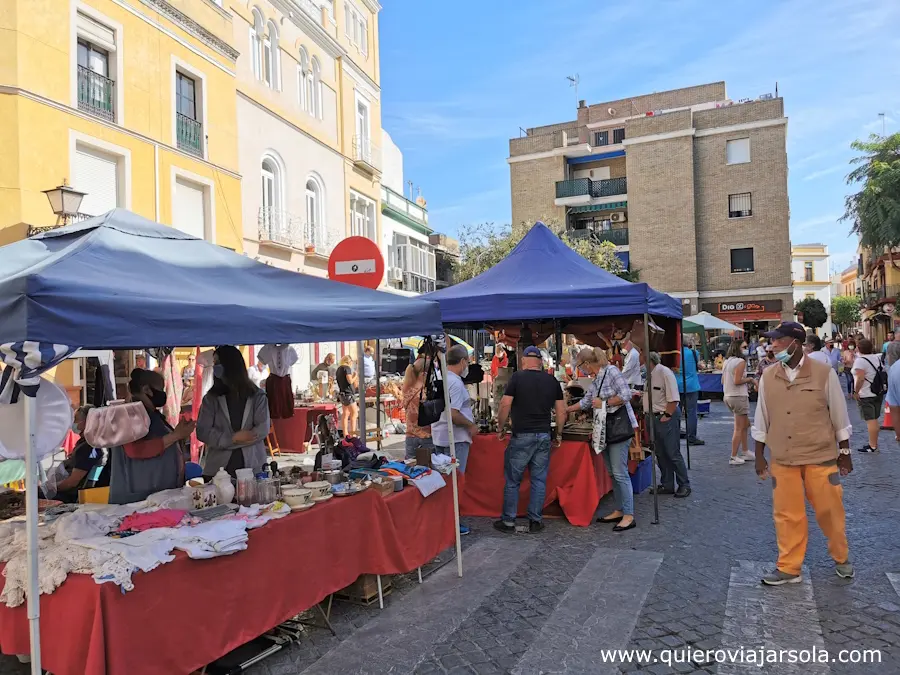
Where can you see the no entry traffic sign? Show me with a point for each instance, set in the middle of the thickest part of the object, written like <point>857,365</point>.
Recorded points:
<point>357,261</point>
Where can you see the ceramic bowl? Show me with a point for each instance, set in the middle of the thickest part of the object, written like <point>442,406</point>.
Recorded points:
<point>319,488</point>
<point>297,496</point>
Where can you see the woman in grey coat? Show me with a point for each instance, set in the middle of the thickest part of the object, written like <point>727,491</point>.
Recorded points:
<point>234,417</point>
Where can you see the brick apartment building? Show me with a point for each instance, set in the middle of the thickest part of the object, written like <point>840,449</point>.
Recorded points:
<point>690,186</point>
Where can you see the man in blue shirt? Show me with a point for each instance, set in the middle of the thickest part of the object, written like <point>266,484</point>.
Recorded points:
<point>368,364</point>
<point>691,392</point>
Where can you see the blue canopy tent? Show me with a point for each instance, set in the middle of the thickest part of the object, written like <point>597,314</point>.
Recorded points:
<point>542,278</point>
<point>120,281</point>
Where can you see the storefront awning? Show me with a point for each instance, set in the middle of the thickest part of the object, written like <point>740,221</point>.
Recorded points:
<point>599,207</point>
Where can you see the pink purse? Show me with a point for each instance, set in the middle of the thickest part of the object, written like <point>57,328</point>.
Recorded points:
<point>116,425</point>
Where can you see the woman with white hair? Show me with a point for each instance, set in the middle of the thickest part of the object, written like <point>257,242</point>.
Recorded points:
<point>609,387</point>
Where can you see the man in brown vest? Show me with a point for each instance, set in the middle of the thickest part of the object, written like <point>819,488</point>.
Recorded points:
<point>802,416</point>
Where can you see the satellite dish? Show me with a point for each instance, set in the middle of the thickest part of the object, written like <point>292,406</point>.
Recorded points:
<point>611,111</point>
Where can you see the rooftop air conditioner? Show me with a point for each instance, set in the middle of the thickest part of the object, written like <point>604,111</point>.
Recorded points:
<point>618,217</point>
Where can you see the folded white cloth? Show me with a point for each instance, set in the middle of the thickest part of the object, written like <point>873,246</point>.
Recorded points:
<point>429,483</point>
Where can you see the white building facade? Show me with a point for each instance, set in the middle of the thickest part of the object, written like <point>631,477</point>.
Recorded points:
<point>811,275</point>
<point>409,258</point>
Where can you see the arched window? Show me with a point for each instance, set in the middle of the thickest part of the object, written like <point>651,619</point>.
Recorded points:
<point>256,31</point>
<point>302,73</point>
<point>271,57</point>
<point>315,213</point>
<point>316,79</point>
<point>271,212</point>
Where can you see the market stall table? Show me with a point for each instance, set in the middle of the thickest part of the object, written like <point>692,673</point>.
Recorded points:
<point>295,431</point>
<point>577,479</point>
<point>188,613</point>
<point>710,383</point>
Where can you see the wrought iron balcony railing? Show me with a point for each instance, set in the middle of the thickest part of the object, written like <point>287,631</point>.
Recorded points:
<point>96,94</point>
<point>189,134</point>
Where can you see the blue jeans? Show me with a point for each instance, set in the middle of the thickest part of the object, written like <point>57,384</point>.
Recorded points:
<point>531,451</point>
<point>668,452</point>
<point>462,453</point>
<point>615,456</point>
<point>413,443</point>
<point>849,375</point>
<point>690,404</point>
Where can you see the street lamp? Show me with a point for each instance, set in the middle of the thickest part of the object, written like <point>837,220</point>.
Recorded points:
<point>65,201</point>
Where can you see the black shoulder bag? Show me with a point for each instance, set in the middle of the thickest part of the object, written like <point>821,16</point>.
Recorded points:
<point>618,424</point>
<point>431,397</point>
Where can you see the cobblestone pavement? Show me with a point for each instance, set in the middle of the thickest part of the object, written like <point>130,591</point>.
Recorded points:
<point>548,603</point>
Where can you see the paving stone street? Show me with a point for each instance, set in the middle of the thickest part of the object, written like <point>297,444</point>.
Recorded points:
<point>549,603</point>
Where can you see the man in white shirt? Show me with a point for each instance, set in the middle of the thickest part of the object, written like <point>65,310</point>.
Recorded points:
<point>813,349</point>
<point>631,369</point>
<point>833,353</point>
<point>258,373</point>
<point>662,388</point>
<point>460,413</point>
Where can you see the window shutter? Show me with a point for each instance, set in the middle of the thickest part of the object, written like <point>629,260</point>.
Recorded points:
<point>88,28</point>
<point>96,173</point>
<point>188,212</point>
<point>737,151</point>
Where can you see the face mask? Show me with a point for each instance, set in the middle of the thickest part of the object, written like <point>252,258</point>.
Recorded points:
<point>218,370</point>
<point>465,372</point>
<point>75,429</point>
<point>745,352</point>
<point>158,398</point>
<point>784,356</point>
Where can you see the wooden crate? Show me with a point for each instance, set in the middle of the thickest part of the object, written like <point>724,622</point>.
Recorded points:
<point>364,591</point>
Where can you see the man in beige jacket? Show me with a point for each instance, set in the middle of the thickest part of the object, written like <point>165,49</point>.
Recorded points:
<point>802,416</point>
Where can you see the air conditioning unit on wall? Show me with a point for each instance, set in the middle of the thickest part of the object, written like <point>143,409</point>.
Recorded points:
<point>396,274</point>
<point>618,217</point>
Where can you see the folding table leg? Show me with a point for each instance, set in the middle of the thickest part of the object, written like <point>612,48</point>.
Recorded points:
<point>380,596</point>
<point>325,616</point>
<point>420,575</point>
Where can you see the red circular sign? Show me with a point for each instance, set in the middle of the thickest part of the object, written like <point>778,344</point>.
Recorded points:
<point>357,261</point>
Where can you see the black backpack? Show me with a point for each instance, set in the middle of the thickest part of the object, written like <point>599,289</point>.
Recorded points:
<point>879,383</point>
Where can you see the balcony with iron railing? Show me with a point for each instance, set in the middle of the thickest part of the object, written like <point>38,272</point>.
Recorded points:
<point>615,235</point>
<point>189,134</point>
<point>875,296</point>
<point>281,228</point>
<point>592,189</point>
<point>366,155</point>
<point>96,94</point>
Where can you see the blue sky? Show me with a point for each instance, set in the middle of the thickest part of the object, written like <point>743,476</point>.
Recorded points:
<point>459,79</point>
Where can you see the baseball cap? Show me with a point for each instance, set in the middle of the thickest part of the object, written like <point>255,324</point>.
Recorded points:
<point>790,329</point>
<point>533,352</point>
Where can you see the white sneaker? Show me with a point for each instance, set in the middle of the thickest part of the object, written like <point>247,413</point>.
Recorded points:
<point>735,461</point>
<point>748,457</point>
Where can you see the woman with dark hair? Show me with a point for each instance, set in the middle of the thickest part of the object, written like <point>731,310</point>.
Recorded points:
<point>234,417</point>
<point>156,462</point>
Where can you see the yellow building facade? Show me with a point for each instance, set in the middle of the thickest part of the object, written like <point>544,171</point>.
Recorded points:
<point>129,101</point>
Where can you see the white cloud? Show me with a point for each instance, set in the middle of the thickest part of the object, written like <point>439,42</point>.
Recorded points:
<point>815,221</point>
<point>837,168</point>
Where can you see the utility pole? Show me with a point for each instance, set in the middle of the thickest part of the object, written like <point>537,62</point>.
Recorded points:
<point>881,115</point>
<point>573,82</point>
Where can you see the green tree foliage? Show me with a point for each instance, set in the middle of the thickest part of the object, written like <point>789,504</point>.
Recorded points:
<point>845,310</point>
<point>483,246</point>
<point>874,211</point>
<point>812,312</point>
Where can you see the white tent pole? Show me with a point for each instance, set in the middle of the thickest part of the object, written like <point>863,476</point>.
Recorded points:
<point>449,413</point>
<point>31,525</point>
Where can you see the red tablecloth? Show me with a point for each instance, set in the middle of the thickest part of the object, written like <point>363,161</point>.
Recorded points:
<point>188,613</point>
<point>577,480</point>
<point>295,431</point>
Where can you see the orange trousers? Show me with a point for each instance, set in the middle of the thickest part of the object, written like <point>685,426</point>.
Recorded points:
<point>791,487</point>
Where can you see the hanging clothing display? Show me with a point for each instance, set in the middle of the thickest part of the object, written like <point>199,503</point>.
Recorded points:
<point>279,359</point>
<point>174,388</point>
